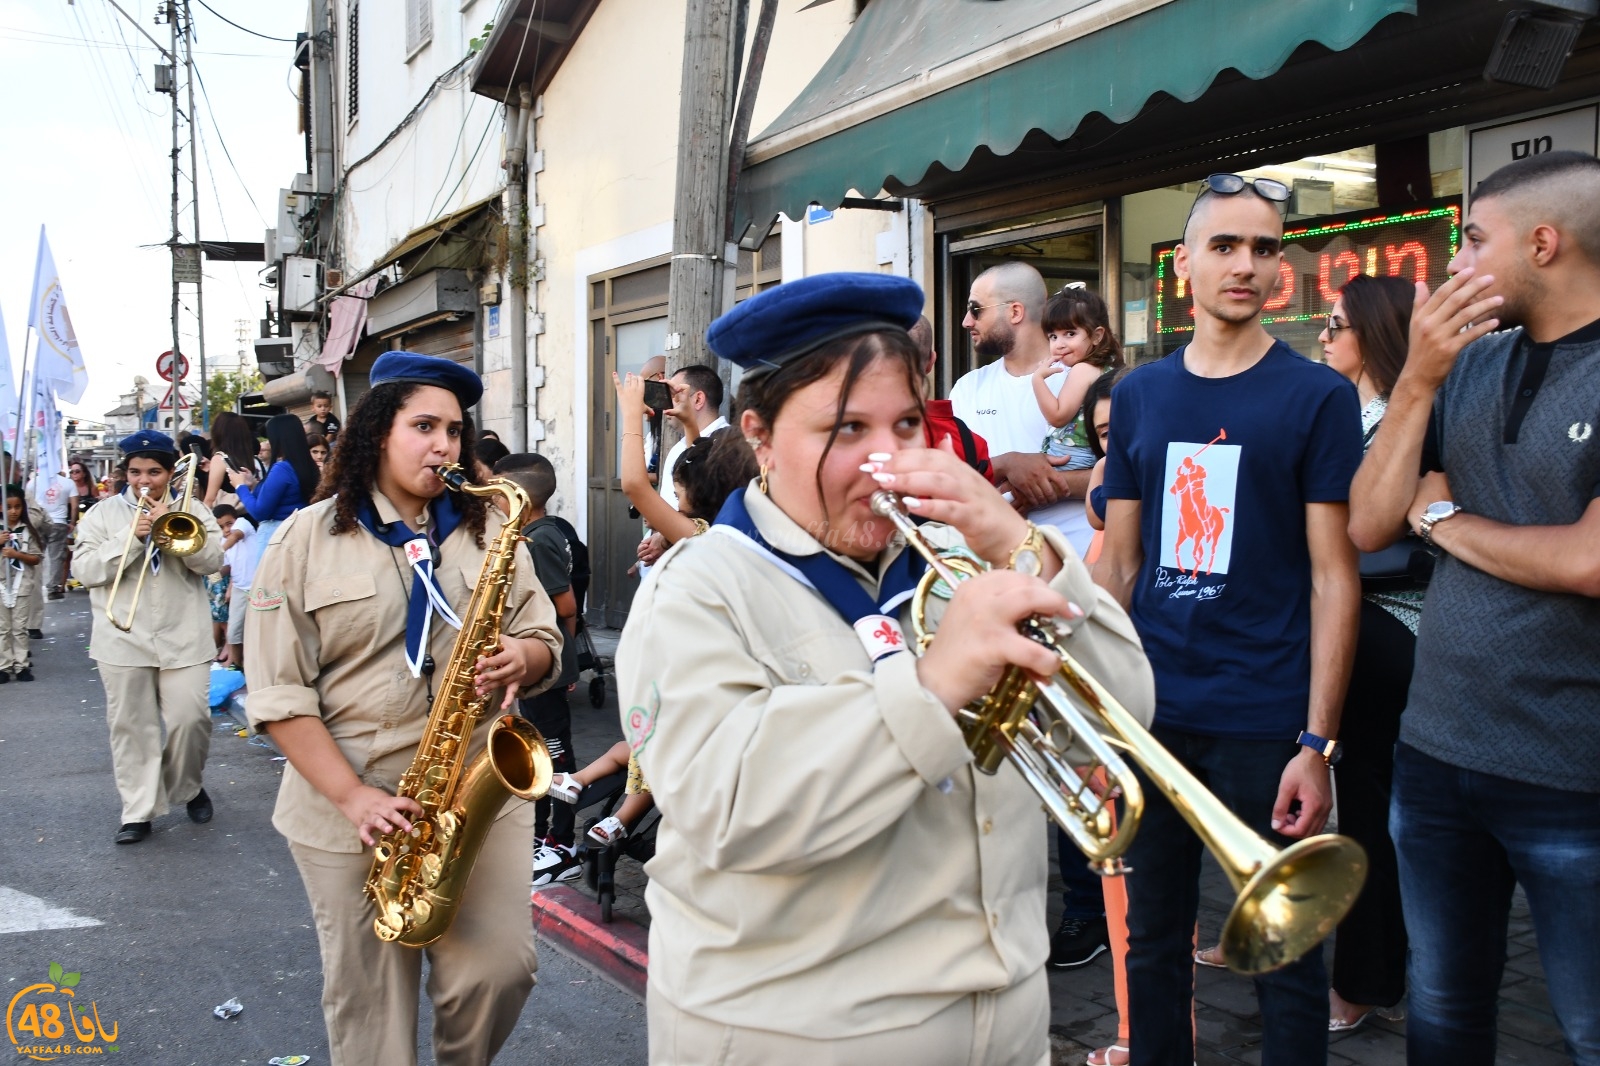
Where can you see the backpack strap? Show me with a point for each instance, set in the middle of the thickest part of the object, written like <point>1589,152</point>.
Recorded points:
<point>969,449</point>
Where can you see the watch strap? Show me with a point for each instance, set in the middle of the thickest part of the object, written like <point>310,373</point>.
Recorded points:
<point>1323,746</point>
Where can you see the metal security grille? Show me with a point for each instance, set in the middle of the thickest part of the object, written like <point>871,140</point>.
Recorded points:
<point>353,63</point>
<point>419,24</point>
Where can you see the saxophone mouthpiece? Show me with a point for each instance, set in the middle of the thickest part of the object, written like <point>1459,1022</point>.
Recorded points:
<point>451,474</point>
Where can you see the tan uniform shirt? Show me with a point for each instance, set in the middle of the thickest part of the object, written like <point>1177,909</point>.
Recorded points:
<point>172,627</point>
<point>829,864</point>
<point>326,635</point>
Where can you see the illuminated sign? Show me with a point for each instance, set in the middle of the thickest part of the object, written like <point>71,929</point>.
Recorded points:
<point>1320,256</point>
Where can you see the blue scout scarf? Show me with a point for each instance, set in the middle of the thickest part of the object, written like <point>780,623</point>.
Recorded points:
<point>426,596</point>
<point>874,622</point>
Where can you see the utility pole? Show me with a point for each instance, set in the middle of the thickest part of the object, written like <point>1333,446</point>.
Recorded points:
<point>699,245</point>
<point>172,87</point>
<point>199,255</point>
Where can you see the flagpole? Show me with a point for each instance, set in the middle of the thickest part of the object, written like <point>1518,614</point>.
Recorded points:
<point>24,395</point>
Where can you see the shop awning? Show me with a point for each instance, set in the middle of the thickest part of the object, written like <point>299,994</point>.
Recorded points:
<point>920,82</point>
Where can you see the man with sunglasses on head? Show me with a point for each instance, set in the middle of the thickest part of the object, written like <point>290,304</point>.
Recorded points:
<point>1227,482</point>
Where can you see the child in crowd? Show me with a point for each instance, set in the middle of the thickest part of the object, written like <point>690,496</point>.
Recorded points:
<point>239,558</point>
<point>322,419</point>
<point>556,858</point>
<point>319,447</point>
<point>1082,346</point>
<point>19,561</point>
<point>1097,413</point>
<point>217,585</point>
<point>568,788</point>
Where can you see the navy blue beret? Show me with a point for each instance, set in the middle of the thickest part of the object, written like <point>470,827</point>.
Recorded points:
<point>147,440</point>
<point>789,320</point>
<point>418,369</point>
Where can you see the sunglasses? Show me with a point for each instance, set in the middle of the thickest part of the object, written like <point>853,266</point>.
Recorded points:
<point>1234,184</point>
<point>976,309</point>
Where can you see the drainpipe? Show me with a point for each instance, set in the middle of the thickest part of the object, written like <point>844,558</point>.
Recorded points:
<point>518,119</point>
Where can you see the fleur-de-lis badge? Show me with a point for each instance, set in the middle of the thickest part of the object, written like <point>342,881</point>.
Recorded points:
<point>888,634</point>
<point>1580,432</point>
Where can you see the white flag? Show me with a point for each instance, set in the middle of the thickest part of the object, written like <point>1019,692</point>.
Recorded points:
<point>47,424</point>
<point>9,411</point>
<point>60,362</point>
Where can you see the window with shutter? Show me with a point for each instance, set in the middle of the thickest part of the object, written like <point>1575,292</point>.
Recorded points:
<point>419,24</point>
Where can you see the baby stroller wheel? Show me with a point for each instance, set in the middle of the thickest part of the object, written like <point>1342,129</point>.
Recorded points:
<point>597,691</point>
<point>605,905</point>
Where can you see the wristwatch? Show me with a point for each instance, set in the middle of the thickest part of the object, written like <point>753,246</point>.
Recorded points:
<point>1432,515</point>
<point>1028,557</point>
<point>1328,749</point>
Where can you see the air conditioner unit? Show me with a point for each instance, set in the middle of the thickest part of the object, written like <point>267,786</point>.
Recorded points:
<point>275,351</point>
<point>298,286</point>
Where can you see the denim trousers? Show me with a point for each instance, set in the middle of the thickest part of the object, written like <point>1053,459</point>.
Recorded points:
<point>1164,898</point>
<point>1465,839</point>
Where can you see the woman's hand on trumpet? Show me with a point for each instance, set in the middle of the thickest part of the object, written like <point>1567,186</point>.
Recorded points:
<point>936,484</point>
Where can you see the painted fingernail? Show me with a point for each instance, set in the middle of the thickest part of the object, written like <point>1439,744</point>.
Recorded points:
<point>870,468</point>
<point>879,457</point>
<point>883,479</point>
<point>911,501</point>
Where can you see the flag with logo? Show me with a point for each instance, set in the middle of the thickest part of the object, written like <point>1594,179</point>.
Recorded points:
<point>59,362</point>
<point>47,424</point>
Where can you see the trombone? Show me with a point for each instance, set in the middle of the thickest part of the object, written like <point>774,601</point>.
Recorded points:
<point>176,532</point>
<point>1288,901</point>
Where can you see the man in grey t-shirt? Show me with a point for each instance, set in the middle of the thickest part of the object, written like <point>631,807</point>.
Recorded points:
<point>1497,773</point>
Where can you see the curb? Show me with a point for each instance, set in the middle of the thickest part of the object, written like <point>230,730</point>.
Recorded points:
<point>619,949</point>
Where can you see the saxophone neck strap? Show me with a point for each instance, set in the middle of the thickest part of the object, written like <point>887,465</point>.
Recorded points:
<point>421,551</point>
<point>873,620</point>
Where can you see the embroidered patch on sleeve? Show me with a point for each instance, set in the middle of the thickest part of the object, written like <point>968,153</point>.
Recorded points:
<point>641,722</point>
<point>265,600</point>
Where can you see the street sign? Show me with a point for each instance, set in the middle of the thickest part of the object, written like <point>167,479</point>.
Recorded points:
<point>164,366</point>
<point>186,263</point>
<point>167,401</point>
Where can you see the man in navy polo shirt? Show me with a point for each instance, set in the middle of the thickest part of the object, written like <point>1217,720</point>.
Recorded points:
<point>1226,485</point>
<point>1497,773</point>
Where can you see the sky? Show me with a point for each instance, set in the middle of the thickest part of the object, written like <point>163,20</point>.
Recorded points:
<point>90,159</point>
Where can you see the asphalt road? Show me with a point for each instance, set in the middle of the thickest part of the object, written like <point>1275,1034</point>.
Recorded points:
<point>197,914</point>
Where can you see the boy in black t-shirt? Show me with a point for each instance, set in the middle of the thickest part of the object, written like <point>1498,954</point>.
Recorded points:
<point>322,419</point>
<point>556,858</point>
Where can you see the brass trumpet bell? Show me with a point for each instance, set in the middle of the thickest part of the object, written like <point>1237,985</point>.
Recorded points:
<point>178,533</point>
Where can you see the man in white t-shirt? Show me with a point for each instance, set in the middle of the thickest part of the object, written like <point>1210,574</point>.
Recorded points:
<point>1004,310</point>
<point>697,407</point>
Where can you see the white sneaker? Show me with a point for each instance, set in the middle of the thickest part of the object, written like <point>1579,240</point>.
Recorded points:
<point>608,831</point>
<point>553,863</point>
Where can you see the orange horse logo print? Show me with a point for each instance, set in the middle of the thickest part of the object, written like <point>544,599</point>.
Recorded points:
<point>1200,524</point>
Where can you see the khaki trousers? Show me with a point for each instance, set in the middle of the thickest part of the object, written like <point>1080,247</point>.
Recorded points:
<point>1008,1028</point>
<point>141,702</point>
<point>35,605</point>
<point>479,973</point>
<point>13,633</point>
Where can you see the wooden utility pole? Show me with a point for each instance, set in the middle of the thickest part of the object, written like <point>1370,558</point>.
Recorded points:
<point>699,247</point>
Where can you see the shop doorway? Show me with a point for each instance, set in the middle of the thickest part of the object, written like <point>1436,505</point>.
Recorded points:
<point>1066,252</point>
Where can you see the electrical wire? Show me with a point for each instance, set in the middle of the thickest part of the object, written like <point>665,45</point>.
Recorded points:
<point>9,33</point>
<point>221,140</point>
<point>235,25</point>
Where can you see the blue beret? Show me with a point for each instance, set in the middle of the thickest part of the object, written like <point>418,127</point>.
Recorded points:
<point>415,368</point>
<point>785,322</point>
<point>147,440</point>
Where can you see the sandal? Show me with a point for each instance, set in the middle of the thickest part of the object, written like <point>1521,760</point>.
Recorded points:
<point>608,831</point>
<point>1101,1056</point>
<point>1211,957</point>
<point>1345,1025</point>
<point>565,788</point>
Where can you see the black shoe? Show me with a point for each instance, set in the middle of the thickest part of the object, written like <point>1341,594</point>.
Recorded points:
<point>199,808</point>
<point>5,678</point>
<point>1078,941</point>
<point>133,832</point>
<point>25,674</point>
<point>35,634</point>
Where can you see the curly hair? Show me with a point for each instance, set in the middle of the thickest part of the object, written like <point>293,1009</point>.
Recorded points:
<point>351,472</point>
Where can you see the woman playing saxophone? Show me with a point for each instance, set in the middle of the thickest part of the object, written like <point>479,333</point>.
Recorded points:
<point>351,630</point>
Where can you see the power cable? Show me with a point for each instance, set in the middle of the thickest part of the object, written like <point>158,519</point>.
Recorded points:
<point>223,141</point>
<point>235,25</point>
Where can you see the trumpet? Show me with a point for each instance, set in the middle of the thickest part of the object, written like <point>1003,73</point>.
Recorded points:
<point>1288,901</point>
<point>176,532</point>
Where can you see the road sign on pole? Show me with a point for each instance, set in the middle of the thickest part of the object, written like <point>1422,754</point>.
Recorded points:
<point>167,401</point>
<point>164,366</point>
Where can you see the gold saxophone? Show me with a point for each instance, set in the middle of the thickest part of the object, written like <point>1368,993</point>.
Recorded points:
<point>418,878</point>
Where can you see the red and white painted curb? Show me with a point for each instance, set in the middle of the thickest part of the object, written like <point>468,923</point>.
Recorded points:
<point>619,949</point>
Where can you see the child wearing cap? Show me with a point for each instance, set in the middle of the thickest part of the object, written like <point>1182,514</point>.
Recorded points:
<point>19,563</point>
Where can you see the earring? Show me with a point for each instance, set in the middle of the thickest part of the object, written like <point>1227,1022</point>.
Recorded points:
<point>754,442</point>
<point>762,484</point>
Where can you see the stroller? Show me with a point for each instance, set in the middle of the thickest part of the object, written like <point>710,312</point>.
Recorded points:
<point>600,860</point>
<point>588,659</point>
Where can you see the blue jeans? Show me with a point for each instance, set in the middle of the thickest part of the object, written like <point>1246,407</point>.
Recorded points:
<point>1464,840</point>
<point>1081,894</point>
<point>1164,897</point>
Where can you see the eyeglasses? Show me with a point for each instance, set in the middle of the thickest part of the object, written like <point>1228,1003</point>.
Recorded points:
<point>1233,184</point>
<point>1334,326</point>
<point>976,309</point>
